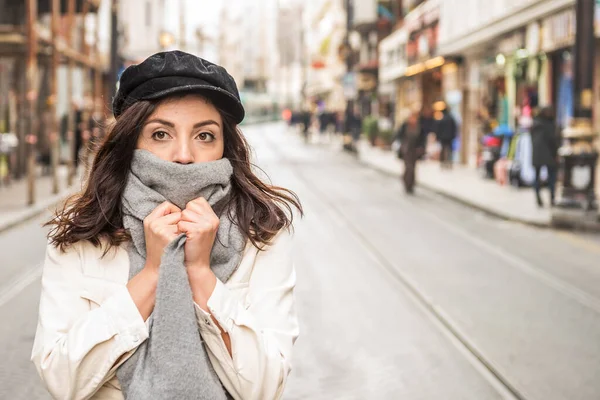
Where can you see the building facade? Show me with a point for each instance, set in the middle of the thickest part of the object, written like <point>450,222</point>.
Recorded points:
<point>288,82</point>
<point>51,61</point>
<point>324,33</point>
<point>142,28</point>
<point>493,62</point>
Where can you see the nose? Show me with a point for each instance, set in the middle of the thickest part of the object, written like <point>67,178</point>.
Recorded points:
<point>183,155</point>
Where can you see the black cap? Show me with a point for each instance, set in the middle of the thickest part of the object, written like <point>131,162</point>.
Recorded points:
<point>173,72</point>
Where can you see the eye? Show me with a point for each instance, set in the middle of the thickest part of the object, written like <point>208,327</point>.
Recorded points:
<point>206,137</point>
<point>160,135</point>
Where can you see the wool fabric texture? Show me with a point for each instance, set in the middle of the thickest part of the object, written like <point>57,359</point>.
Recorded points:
<point>173,362</point>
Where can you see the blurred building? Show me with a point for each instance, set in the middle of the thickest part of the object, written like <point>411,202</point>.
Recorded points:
<point>149,26</point>
<point>142,28</point>
<point>51,61</point>
<point>231,38</point>
<point>330,83</point>
<point>517,57</point>
<point>289,76</point>
<point>493,62</point>
<point>248,50</point>
<point>410,60</point>
<point>325,29</point>
<point>373,21</point>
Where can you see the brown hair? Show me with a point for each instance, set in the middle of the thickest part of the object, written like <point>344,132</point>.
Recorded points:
<point>261,210</point>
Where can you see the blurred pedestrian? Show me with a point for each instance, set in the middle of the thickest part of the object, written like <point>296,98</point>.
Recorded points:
<point>79,128</point>
<point>44,146</point>
<point>446,132</point>
<point>174,255</point>
<point>354,127</point>
<point>306,123</point>
<point>413,138</point>
<point>339,122</point>
<point>427,120</point>
<point>323,118</point>
<point>544,149</point>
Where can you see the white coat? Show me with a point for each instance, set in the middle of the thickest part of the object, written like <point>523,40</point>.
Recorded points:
<point>89,325</point>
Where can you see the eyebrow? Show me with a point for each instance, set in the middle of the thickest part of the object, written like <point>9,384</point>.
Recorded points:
<point>172,125</point>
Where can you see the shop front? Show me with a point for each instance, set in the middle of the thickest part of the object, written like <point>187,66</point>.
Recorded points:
<point>424,72</point>
<point>557,43</point>
<point>503,87</point>
<point>392,67</point>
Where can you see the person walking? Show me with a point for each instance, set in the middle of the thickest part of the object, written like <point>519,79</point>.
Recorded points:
<point>446,133</point>
<point>170,276</point>
<point>427,121</point>
<point>306,124</point>
<point>544,149</point>
<point>353,128</point>
<point>78,132</point>
<point>412,139</point>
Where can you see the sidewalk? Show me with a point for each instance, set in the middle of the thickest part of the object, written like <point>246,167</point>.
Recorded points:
<point>13,198</point>
<point>464,185</point>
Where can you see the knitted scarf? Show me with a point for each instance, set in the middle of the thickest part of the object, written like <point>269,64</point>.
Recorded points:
<point>173,363</point>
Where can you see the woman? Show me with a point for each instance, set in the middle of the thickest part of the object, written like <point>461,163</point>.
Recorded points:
<point>170,276</point>
<point>413,139</point>
<point>545,151</point>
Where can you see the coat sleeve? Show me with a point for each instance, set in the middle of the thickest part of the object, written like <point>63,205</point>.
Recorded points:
<point>400,133</point>
<point>77,349</point>
<point>262,328</point>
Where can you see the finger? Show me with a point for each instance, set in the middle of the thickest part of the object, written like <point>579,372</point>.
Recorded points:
<point>164,208</point>
<point>209,220</point>
<point>199,203</point>
<point>169,230</point>
<point>173,230</point>
<point>201,207</point>
<point>169,219</point>
<point>186,227</point>
<point>192,227</point>
<point>191,216</point>
<point>171,208</point>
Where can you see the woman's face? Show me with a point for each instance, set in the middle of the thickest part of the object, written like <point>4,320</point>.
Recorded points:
<point>185,130</point>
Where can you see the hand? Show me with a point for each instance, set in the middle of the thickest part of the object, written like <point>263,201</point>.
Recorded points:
<point>200,224</point>
<point>160,229</point>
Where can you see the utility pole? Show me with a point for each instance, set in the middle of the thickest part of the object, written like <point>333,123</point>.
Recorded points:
<point>349,80</point>
<point>114,51</point>
<point>54,137</point>
<point>71,129</point>
<point>303,56</point>
<point>97,108</point>
<point>32,74</point>
<point>578,154</point>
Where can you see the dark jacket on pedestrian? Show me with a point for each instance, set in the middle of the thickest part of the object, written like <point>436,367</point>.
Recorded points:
<point>411,142</point>
<point>544,142</point>
<point>354,123</point>
<point>428,124</point>
<point>446,129</point>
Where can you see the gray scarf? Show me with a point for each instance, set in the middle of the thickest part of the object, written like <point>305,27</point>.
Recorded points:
<point>173,363</point>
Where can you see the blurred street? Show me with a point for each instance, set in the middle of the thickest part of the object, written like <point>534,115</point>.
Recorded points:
<point>399,297</point>
<point>484,284</point>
